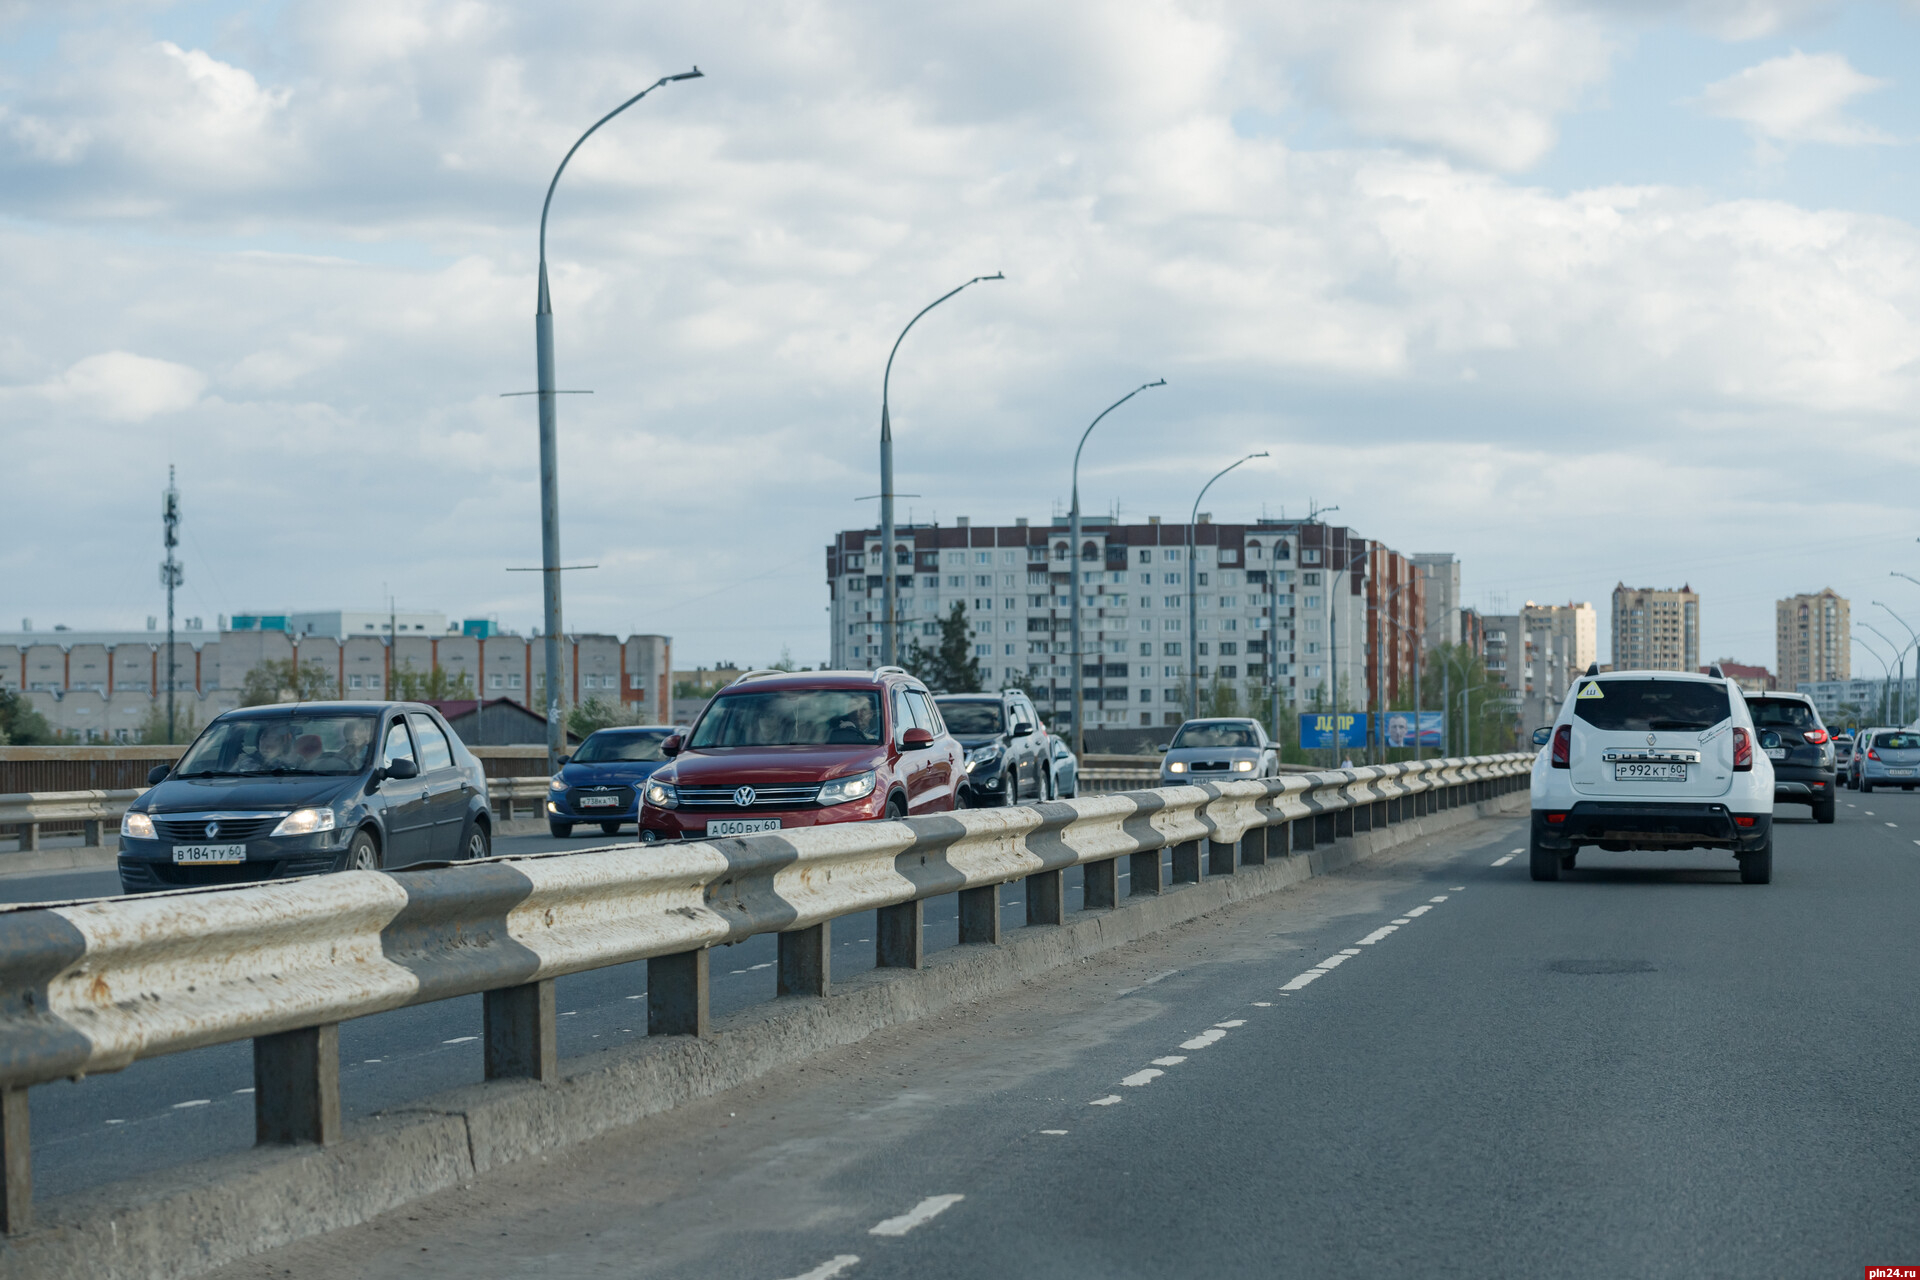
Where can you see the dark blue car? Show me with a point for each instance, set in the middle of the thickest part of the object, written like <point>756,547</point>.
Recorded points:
<point>601,781</point>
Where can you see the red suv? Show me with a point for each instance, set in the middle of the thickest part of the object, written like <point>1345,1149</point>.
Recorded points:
<point>798,749</point>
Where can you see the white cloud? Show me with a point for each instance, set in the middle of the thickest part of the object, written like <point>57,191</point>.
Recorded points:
<point>1799,97</point>
<point>123,387</point>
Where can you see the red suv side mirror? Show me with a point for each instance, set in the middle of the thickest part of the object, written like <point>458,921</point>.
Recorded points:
<point>916,739</point>
<point>671,747</point>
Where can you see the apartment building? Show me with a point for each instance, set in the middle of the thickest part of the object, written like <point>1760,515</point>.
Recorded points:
<point>99,686</point>
<point>1655,630</point>
<point>1813,639</point>
<point>1293,593</point>
<point>1440,575</point>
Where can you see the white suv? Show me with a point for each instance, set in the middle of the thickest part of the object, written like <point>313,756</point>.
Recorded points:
<point>1653,760</point>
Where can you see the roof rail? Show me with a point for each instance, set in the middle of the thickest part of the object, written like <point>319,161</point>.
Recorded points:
<point>1593,668</point>
<point>1713,669</point>
<point>745,676</point>
<point>890,671</point>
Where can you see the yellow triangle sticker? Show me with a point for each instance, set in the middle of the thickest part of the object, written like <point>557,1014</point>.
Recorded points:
<point>1592,690</point>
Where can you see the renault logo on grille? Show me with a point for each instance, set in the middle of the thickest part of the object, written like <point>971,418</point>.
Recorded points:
<point>213,830</point>
<point>1650,739</point>
<point>743,796</point>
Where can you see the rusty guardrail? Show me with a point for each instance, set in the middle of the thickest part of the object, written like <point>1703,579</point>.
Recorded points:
<point>93,986</point>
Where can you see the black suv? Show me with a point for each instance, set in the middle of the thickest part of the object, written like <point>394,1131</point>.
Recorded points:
<point>1803,770</point>
<point>266,793</point>
<point>1008,751</point>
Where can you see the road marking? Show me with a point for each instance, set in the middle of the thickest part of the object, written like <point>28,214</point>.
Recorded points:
<point>1303,979</point>
<point>116,1122</point>
<point>1232,1022</point>
<point>1421,910</point>
<point>1501,862</point>
<point>1268,1004</point>
<point>243,1091</point>
<point>1206,1039</point>
<point>1149,982</point>
<point>1107,1101</point>
<point>1335,961</point>
<point>1869,813</point>
<point>459,1039</point>
<point>926,1211</point>
<point>754,967</point>
<point>1350,951</point>
<point>1516,851</point>
<point>1168,1062</point>
<point>1011,902</point>
<point>1403,921</point>
<point>1377,935</point>
<point>1138,1078</point>
<point>641,996</point>
<point>1893,824</point>
<point>1455,887</point>
<point>1054,1132</point>
<point>830,1268</point>
<point>191,1102</point>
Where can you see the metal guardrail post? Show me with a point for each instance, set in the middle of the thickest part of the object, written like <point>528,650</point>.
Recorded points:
<point>899,940</point>
<point>1342,823</point>
<point>1186,862</point>
<point>805,958</point>
<point>677,994</point>
<point>90,830</point>
<point>1143,873</point>
<point>1253,847</point>
<point>520,1033</point>
<point>296,1086</point>
<point>1221,856</point>
<point>29,836</point>
<point>16,1164</point>
<point>980,916</point>
<point>1100,885</point>
<point>1046,895</point>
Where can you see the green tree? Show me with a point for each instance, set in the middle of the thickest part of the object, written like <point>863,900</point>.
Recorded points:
<point>20,724</point>
<point>153,728</point>
<point>1455,669</point>
<point>597,713</point>
<point>950,666</point>
<point>435,686</point>
<point>278,680</point>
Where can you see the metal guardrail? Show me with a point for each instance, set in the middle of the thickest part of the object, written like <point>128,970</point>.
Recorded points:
<point>26,811</point>
<point>93,986</point>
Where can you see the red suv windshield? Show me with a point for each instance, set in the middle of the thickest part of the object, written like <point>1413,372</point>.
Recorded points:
<point>791,717</point>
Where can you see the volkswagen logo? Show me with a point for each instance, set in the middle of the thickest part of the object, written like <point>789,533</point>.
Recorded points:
<point>213,831</point>
<point>743,796</point>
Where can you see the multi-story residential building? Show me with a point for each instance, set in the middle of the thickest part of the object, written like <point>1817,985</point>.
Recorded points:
<point>1291,592</point>
<point>100,686</point>
<point>1575,629</point>
<point>1655,630</point>
<point>1440,574</point>
<point>1864,702</point>
<point>1813,637</point>
<point>1750,678</point>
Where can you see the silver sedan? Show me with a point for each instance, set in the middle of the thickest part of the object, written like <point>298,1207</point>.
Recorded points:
<point>1219,750</point>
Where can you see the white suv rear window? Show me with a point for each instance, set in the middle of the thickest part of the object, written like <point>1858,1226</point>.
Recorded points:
<point>1626,706</point>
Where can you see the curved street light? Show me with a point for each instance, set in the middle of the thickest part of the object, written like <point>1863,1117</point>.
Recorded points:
<point>890,640</point>
<point>549,449</point>
<point>1073,561</point>
<point>1901,714</point>
<point>1886,671</point>
<point>1898,674</point>
<point>1193,608</point>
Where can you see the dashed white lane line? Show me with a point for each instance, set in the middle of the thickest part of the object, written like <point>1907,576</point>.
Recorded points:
<point>191,1102</point>
<point>1139,1078</point>
<point>243,1090</point>
<point>1268,1004</point>
<point>1455,887</point>
<point>1378,935</point>
<point>1057,1133</point>
<point>1158,977</point>
<point>1402,920</point>
<point>1335,961</point>
<point>1511,852</point>
<point>1305,978</point>
<point>926,1211</point>
<point>116,1122</point>
<point>1420,910</point>
<point>460,1040</point>
<point>1173,1061</point>
<point>1205,1040</point>
<point>1107,1101</point>
<point>830,1268</point>
<point>1501,862</point>
<point>1439,898</point>
<point>1893,824</point>
<point>1230,1023</point>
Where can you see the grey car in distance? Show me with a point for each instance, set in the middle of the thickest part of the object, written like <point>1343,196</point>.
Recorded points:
<point>1219,750</point>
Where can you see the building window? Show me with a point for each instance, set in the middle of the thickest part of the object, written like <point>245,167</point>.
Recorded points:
<point>1172,648</point>
<point>353,682</point>
<point>983,651</point>
<point>1146,649</point>
<point>513,682</point>
<point>373,682</point>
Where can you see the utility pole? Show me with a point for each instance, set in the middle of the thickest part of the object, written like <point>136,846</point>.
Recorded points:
<point>172,574</point>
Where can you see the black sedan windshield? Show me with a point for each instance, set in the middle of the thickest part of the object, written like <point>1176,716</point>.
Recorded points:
<point>280,744</point>
<point>971,719</point>
<point>607,747</point>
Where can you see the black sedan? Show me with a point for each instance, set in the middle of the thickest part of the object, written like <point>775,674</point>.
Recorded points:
<point>265,793</point>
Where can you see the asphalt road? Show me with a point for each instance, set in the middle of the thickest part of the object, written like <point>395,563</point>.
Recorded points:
<point>164,1112</point>
<point>1646,1069</point>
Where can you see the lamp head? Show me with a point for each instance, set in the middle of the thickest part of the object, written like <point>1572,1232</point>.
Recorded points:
<point>695,74</point>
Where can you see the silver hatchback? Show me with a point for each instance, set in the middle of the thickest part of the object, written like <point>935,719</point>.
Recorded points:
<point>1219,750</point>
<point>1891,759</point>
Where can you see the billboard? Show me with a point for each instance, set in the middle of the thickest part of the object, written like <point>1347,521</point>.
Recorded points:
<point>1328,730</point>
<point>1398,726</point>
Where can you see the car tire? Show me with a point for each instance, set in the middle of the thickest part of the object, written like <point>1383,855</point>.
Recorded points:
<point>610,828</point>
<point>1542,864</point>
<point>1567,860</point>
<point>479,842</point>
<point>560,830</point>
<point>1866,788</point>
<point>896,809</point>
<point>1824,811</point>
<point>1757,867</point>
<point>363,854</point>
<point>1047,788</point>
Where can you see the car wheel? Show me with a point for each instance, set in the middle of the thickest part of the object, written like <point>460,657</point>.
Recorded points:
<point>896,809</point>
<point>1757,867</point>
<point>1567,860</point>
<point>1048,790</point>
<point>611,828</point>
<point>479,843</point>
<point>560,830</point>
<point>1866,788</point>
<point>363,854</point>
<point>1823,812</point>
<point>1543,864</point>
<point>1072,790</point>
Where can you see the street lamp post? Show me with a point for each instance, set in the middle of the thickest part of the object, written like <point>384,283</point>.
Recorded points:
<point>1901,714</point>
<point>1073,560</point>
<point>1886,672</point>
<point>1193,608</point>
<point>1888,706</point>
<point>549,448</point>
<point>890,638</point>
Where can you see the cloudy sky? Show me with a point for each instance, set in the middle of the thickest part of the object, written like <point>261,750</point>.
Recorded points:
<point>1579,291</point>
